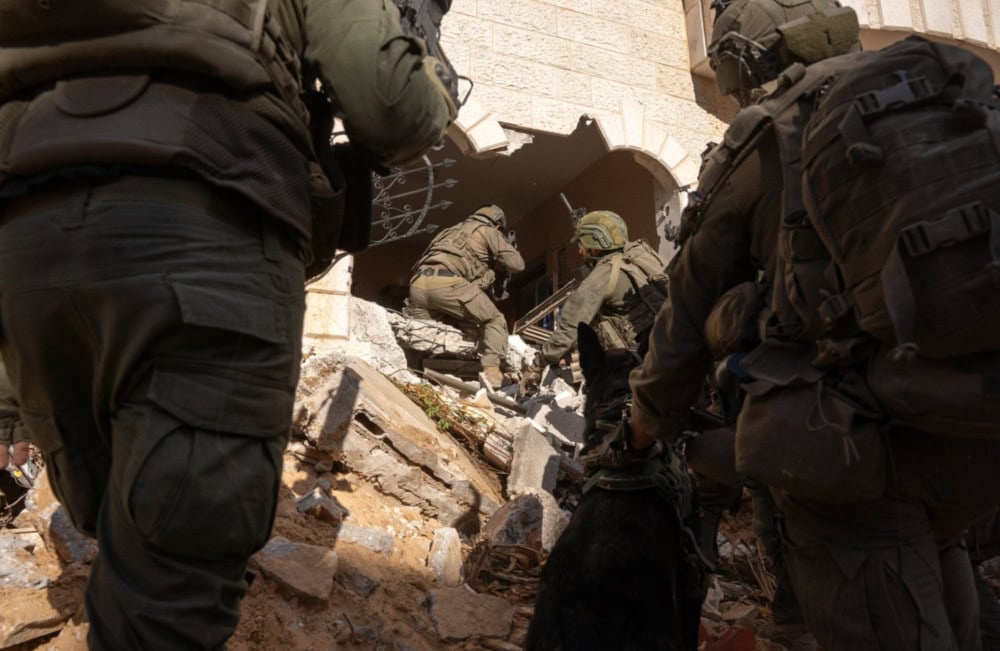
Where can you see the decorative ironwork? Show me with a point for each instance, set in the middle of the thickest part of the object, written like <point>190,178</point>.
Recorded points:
<point>404,197</point>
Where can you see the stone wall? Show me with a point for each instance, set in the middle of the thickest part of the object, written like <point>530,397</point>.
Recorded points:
<point>541,64</point>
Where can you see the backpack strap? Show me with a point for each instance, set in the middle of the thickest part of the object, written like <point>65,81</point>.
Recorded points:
<point>958,225</point>
<point>616,267</point>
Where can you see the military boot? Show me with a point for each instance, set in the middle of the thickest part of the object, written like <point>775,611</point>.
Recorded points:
<point>493,376</point>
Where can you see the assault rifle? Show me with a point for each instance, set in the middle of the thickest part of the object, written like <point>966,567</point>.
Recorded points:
<point>422,18</point>
<point>574,213</point>
<point>504,294</point>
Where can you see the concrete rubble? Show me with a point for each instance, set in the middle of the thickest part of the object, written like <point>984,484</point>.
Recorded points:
<point>319,505</point>
<point>445,558</point>
<point>461,614</point>
<point>303,571</point>
<point>438,493</point>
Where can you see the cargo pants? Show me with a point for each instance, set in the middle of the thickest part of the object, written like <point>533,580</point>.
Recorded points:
<point>152,330</point>
<point>891,574</point>
<point>434,296</point>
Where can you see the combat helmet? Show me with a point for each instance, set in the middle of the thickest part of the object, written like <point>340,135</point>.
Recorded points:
<point>754,40</point>
<point>601,230</point>
<point>491,214</point>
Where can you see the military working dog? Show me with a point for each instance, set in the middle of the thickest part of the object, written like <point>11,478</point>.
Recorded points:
<point>624,573</point>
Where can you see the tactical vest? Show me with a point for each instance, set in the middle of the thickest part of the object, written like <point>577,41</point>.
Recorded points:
<point>136,82</point>
<point>644,269</point>
<point>451,250</point>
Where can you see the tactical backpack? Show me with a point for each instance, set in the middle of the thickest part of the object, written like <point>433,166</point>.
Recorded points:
<point>890,230</point>
<point>901,181</point>
<point>645,271</point>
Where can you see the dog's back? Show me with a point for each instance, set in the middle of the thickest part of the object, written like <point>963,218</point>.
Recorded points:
<point>614,577</point>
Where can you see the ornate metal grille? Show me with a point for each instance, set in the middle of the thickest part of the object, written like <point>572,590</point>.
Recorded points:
<point>404,197</point>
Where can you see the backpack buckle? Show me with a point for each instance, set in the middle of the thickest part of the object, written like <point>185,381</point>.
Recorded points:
<point>904,92</point>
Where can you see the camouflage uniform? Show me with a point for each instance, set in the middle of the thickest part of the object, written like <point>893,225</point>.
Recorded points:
<point>884,574</point>
<point>603,304</point>
<point>619,297</point>
<point>154,229</point>
<point>453,273</point>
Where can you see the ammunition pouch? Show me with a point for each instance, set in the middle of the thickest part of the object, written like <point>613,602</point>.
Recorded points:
<point>816,436</point>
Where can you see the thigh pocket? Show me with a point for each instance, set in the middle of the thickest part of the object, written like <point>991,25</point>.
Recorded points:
<point>477,305</point>
<point>203,482</point>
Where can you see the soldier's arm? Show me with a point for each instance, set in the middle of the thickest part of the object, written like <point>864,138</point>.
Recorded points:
<point>393,103</point>
<point>715,258</point>
<point>582,305</point>
<point>503,252</point>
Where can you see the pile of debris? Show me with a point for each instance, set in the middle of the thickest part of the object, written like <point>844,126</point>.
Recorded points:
<point>412,515</point>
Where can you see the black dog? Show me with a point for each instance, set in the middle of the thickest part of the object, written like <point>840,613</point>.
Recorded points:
<point>624,574</point>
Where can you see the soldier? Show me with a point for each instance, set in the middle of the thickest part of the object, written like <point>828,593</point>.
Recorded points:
<point>872,559</point>
<point>619,297</point>
<point>453,272</point>
<point>157,191</point>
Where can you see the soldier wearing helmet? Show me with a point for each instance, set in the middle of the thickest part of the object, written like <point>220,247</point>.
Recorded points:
<point>196,193</point>
<point>615,298</point>
<point>454,271</point>
<point>880,572</point>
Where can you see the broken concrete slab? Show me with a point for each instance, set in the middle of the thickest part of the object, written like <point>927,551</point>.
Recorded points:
<point>460,614</point>
<point>566,426</point>
<point>374,540</point>
<point>431,337</point>
<point>445,558</point>
<point>520,354</point>
<point>534,463</point>
<point>27,615</point>
<point>373,339</point>
<point>319,505</point>
<point>533,520</point>
<point>303,571</point>
<point>365,421</point>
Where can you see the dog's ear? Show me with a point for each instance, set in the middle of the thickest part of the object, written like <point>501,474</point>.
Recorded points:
<point>592,355</point>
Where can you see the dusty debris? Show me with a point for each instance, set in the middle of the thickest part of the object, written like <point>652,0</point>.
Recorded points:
<point>460,614</point>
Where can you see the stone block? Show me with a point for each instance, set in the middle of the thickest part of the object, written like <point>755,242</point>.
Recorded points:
<point>529,14</point>
<point>319,505</point>
<point>938,17</point>
<point>300,570</point>
<point>445,558</point>
<point>71,545</point>
<point>974,20</point>
<point>374,540</point>
<point>534,464</point>
<point>896,14</point>
<point>594,30</point>
<point>460,613</point>
<point>533,519</point>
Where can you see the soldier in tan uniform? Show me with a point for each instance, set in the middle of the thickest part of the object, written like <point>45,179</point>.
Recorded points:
<point>453,273</point>
<point>619,297</point>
